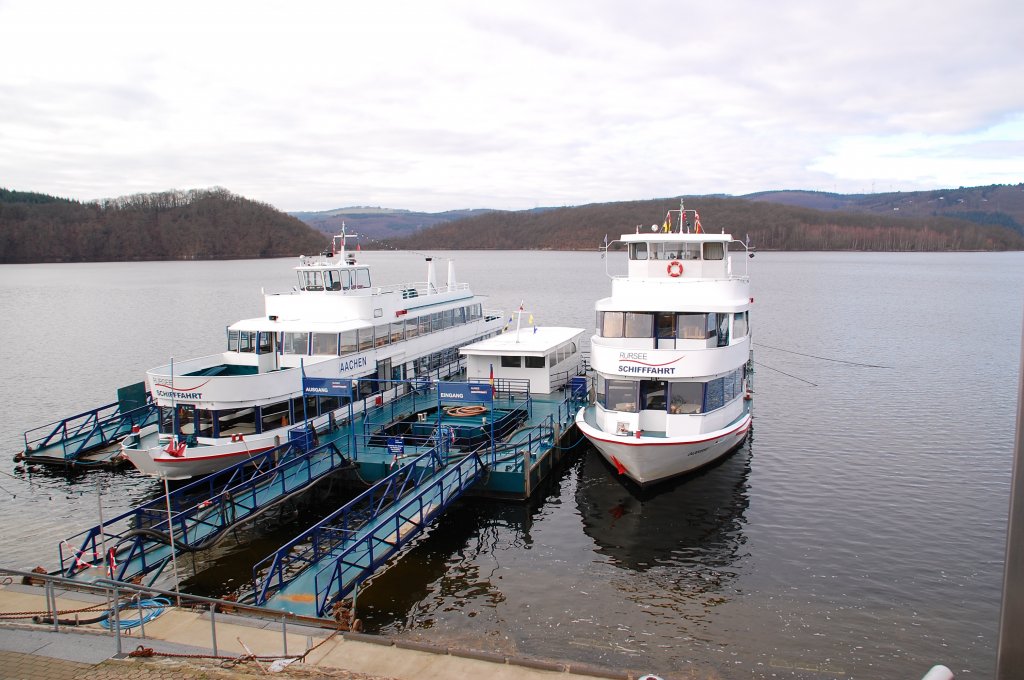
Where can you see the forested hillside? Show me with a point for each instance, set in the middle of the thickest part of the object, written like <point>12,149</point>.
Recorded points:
<point>195,225</point>
<point>993,205</point>
<point>378,223</point>
<point>770,226</point>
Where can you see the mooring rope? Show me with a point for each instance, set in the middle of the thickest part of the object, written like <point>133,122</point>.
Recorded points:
<point>813,356</point>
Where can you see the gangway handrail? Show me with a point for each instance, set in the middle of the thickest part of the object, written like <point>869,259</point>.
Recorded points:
<point>324,536</point>
<point>331,584</point>
<point>85,425</point>
<point>144,546</point>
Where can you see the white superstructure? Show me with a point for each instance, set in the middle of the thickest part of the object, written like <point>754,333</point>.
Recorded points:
<point>671,352</point>
<point>335,323</point>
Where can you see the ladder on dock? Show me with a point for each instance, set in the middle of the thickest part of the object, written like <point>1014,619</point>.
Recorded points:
<point>320,567</point>
<point>138,542</point>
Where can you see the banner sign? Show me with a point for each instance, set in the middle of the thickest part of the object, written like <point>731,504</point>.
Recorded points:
<point>465,392</point>
<point>327,387</point>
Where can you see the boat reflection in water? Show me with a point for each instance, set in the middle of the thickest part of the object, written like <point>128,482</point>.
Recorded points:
<point>692,521</point>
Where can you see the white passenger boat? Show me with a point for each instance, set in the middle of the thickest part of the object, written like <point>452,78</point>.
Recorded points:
<point>671,353</point>
<point>217,410</point>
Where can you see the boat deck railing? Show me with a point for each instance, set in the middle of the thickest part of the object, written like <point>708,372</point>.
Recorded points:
<point>197,515</point>
<point>88,430</point>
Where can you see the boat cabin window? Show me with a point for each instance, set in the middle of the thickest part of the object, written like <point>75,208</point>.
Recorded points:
<point>397,332</point>
<point>273,416</point>
<point>412,328</point>
<point>511,362</point>
<point>691,326</point>
<point>686,397</point>
<point>739,325</point>
<point>365,338</point>
<point>185,419</point>
<point>311,280</point>
<point>665,325</point>
<point>652,395</point>
<point>236,421</point>
<point>361,278</point>
<point>639,324</point>
<point>599,389</point>
<point>166,424</point>
<point>382,334</point>
<point>689,251</point>
<point>232,340</point>
<point>714,250</point>
<point>638,251</point>
<point>723,329</point>
<point>714,394</point>
<point>332,279</point>
<point>325,343</point>
<point>205,417</point>
<point>533,362</point>
<point>610,324</point>
<point>266,342</point>
<point>620,395</point>
<point>247,341</point>
<point>295,343</point>
<point>349,342</point>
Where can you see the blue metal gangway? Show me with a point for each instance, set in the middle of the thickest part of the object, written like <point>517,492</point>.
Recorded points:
<point>69,438</point>
<point>321,566</point>
<point>138,542</point>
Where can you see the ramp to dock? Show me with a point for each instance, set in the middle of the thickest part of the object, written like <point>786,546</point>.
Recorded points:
<point>138,542</point>
<point>318,568</point>
<point>66,440</point>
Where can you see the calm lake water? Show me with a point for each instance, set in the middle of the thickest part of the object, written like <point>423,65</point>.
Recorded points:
<point>859,534</point>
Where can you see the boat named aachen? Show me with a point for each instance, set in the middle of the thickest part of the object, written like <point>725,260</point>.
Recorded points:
<point>672,352</point>
<point>215,411</point>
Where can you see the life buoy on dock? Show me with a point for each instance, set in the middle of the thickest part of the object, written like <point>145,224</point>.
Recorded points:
<point>675,268</point>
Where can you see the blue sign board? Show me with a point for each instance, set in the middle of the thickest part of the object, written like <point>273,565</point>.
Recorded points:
<point>465,392</point>
<point>396,446</point>
<point>327,387</point>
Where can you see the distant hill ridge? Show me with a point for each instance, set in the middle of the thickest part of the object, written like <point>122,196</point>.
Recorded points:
<point>204,224</point>
<point>216,224</point>
<point>769,225</point>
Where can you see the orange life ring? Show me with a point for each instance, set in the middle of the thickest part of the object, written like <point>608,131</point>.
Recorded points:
<point>675,268</point>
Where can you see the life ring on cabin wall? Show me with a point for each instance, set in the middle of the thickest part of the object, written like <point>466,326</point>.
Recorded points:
<point>675,268</point>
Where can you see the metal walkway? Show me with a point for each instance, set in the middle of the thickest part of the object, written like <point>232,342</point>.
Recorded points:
<point>310,573</point>
<point>138,542</point>
<point>68,439</point>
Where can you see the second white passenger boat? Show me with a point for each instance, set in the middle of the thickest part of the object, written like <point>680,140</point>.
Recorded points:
<point>217,410</point>
<point>672,352</point>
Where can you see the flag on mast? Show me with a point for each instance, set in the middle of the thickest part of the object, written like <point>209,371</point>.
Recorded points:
<point>696,220</point>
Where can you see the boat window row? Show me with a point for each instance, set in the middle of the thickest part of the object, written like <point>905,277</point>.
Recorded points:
<point>556,356</point>
<point>630,396</point>
<point>673,325</point>
<point>662,250</point>
<point>355,340</point>
<point>186,420</point>
<point>334,279</point>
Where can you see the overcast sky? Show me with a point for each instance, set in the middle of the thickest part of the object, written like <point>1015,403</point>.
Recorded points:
<point>436,105</point>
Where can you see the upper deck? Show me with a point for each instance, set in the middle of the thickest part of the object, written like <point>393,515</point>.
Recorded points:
<point>675,266</point>
<point>334,288</point>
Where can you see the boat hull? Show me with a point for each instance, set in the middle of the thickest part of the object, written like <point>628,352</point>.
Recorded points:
<point>196,461</point>
<point>647,460</point>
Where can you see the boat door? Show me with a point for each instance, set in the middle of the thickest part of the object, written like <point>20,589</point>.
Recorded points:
<point>665,330</point>
<point>266,352</point>
<point>383,373</point>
